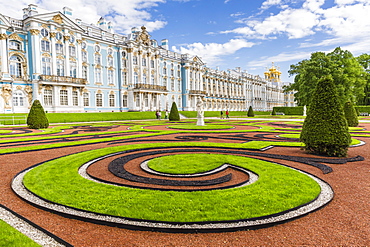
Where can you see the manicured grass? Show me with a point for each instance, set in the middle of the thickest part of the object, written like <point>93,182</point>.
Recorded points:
<point>11,237</point>
<point>353,140</point>
<point>278,188</point>
<point>186,163</point>
<point>98,116</point>
<point>199,127</point>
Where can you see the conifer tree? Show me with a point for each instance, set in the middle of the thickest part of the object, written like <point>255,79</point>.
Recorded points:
<point>174,113</point>
<point>325,129</point>
<point>350,114</point>
<point>250,112</point>
<point>36,118</point>
<point>273,112</point>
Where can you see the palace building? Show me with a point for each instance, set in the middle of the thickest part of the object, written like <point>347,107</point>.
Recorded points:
<point>71,66</point>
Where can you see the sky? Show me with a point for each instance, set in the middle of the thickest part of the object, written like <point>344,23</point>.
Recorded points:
<point>250,34</point>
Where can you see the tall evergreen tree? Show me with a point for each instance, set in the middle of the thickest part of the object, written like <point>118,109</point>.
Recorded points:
<point>36,118</point>
<point>325,129</point>
<point>174,113</point>
<point>350,114</point>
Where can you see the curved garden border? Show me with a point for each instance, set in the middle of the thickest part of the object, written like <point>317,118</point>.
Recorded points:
<point>325,196</point>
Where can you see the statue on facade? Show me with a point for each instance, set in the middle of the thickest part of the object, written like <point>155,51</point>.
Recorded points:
<point>200,112</point>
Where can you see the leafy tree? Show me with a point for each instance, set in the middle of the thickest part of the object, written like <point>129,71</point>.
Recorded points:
<point>174,113</point>
<point>36,118</point>
<point>345,69</point>
<point>350,114</point>
<point>364,60</point>
<point>250,112</point>
<point>325,129</point>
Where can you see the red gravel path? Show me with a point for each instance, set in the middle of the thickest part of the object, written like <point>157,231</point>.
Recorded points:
<point>344,222</point>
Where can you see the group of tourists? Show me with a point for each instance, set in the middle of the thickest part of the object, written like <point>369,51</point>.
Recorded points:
<point>158,114</point>
<point>227,114</point>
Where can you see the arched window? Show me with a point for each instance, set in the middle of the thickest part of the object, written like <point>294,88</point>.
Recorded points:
<point>75,98</point>
<point>48,97</point>
<point>72,51</point>
<point>84,56</point>
<point>18,98</point>
<point>60,67</point>
<point>73,69</point>
<point>152,79</point>
<point>97,75</point>
<point>97,58</point>
<point>124,100</point>
<point>136,78</point>
<point>112,100</point>
<point>63,97</point>
<point>99,100</point>
<point>110,61</point>
<point>84,72</point>
<point>110,77</point>
<point>86,99</point>
<point>46,66</point>
<point>15,66</point>
<point>144,78</point>
<point>124,77</point>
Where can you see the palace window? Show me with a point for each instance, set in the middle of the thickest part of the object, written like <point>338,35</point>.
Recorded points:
<point>134,60</point>
<point>63,97</point>
<point>97,58</point>
<point>86,99</point>
<point>137,100</point>
<point>110,77</point>
<point>72,51</point>
<point>48,97</point>
<point>144,61</point>
<point>99,100</point>
<point>152,64</point>
<point>124,77</point>
<point>73,69</point>
<point>60,67</point>
<point>45,46</point>
<point>152,79</point>
<point>59,48</point>
<point>124,100</point>
<point>44,32</point>
<point>144,78</point>
<point>146,100</point>
<point>84,72</point>
<point>15,66</point>
<point>84,56</point>
<point>124,62</point>
<point>75,98</point>
<point>172,84</point>
<point>110,61</point>
<point>15,45</point>
<point>136,78</point>
<point>112,100</point>
<point>18,98</point>
<point>46,65</point>
<point>97,75</point>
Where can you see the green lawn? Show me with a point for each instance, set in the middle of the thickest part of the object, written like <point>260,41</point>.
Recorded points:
<point>11,237</point>
<point>279,188</point>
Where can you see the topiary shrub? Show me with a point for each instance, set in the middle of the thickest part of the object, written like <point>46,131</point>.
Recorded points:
<point>174,113</point>
<point>350,114</point>
<point>325,129</point>
<point>36,118</point>
<point>250,112</point>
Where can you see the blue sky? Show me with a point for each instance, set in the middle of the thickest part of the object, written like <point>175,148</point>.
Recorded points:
<point>250,34</point>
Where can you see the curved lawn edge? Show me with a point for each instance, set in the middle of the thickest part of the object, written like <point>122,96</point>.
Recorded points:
<point>326,195</point>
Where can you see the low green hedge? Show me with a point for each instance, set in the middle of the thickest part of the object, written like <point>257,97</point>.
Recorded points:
<point>297,110</point>
<point>363,108</point>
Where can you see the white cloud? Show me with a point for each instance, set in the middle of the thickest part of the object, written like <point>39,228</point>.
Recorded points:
<point>124,15</point>
<point>268,3</point>
<point>212,52</point>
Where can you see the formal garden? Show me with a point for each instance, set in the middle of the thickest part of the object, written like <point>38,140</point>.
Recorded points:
<point>165,176</point>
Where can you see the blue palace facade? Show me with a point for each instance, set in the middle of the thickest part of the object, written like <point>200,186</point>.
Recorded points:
<point>71,66</point>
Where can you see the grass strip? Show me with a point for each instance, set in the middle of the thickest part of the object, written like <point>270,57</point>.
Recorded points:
<point>9,236</point>
<point>279,188</point>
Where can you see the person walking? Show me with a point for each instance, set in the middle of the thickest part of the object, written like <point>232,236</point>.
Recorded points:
<point>227,113</point>
<point>222,115</point>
